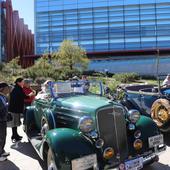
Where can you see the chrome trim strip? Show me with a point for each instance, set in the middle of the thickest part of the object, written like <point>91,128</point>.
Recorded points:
<point>142,93</point>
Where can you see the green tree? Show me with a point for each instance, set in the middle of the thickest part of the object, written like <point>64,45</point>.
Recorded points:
<point>71,56</point>
<point>41,68</point>
<point>68,61</point>
<point>13,67</point>
<point>1,66</point>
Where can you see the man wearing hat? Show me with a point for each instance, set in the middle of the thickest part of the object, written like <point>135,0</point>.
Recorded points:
<point>4,91</point>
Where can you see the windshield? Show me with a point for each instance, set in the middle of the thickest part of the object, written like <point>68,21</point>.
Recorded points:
<point>58,89</point>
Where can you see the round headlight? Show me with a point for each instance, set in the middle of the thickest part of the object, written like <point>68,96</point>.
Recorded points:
<point>108,153</point>
<point>133,116</point>
<point>138,144</point>
<point>99,143</point>
<point>86,124</point>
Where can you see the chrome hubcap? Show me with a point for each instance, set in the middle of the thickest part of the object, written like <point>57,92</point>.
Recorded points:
<point>163,115</point>
<point>44,129</point>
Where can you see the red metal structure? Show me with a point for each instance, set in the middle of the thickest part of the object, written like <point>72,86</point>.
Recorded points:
<point>19,39</point>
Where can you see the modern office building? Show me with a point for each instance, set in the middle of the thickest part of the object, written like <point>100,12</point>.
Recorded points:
<point>15,37</point>
<point>102,26</point>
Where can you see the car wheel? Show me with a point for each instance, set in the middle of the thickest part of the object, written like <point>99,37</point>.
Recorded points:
<point>160,112</point>
<point>51,165</point>
<point>44,126</point>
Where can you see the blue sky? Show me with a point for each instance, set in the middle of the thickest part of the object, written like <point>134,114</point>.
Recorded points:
<point>26,11</point>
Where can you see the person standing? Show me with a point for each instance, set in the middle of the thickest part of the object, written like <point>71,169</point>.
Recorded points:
<point>16,107</point>
<point>86,84</point>
<point>28,90</point>
<point>4,91</point>
<point>45,90</point>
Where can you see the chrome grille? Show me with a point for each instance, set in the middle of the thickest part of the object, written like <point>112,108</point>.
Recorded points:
<point>112,129</point>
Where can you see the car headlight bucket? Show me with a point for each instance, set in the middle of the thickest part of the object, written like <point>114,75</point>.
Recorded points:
<point>86,124</point>
<point>138,144</point>
<point>133,116</point>
<point>108,153</point>
<point>99,143</point>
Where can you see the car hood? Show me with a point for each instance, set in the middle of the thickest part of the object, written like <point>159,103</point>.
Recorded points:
<point>88,103</point>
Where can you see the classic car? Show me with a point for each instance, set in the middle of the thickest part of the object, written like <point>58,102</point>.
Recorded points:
<point>150,101</point>
<point>76,127</point>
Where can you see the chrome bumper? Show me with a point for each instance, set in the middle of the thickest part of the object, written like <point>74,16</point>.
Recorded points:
<point>154,156</point>
<point>148,158</point>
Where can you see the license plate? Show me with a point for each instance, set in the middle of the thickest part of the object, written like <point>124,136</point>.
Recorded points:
<point>134,164</point>
<point>155,141</point>
<point>84,163</point>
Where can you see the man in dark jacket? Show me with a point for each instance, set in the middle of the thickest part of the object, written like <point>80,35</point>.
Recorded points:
<point>16,107</point>
<point>4,90</point>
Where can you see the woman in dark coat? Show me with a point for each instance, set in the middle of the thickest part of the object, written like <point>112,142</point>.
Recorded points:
<point>16,107</point>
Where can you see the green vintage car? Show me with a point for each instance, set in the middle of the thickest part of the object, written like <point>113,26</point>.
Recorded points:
<point>75,127</point>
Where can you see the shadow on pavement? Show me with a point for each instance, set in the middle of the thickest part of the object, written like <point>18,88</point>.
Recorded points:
<point>27,149</point>
<point>8,165</point>
<point>157,166</point>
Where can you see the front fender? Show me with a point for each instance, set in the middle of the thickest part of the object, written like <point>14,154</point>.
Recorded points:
<point>50,116</point>
<point>147,126</point>
<point>148,129</point>
<point>68,144</point>
<point>30,119</point>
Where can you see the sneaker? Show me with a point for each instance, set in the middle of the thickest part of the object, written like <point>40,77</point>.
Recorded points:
<point>2,158</point>
<point>5,154</point>
<point>15,140</point>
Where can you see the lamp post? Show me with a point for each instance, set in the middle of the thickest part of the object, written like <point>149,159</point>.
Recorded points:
<point>157,69</point>
<point>49,54</point>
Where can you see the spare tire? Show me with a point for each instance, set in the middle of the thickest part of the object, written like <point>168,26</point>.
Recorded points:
<point>160,112</point>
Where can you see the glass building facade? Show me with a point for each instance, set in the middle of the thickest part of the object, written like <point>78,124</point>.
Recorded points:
<point>102,25</point>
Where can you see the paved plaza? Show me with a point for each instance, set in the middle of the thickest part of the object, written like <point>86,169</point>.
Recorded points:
<point>22,157</point>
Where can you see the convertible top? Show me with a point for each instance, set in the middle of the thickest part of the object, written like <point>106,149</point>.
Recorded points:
<point>139,87</point>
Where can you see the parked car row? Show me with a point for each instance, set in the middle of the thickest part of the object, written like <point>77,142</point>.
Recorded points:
<point>76,128</point>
